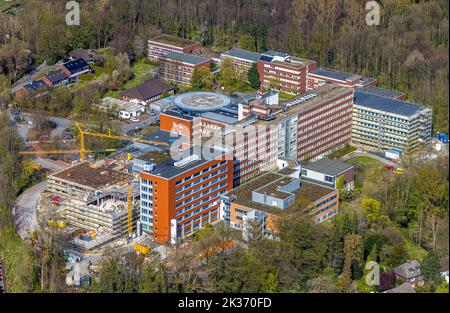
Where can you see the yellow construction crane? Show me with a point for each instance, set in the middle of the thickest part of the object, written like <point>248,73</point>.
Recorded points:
<point>83,133</point>
<point>63,151</point>
<point>130,204</point>
<point>82,151</point>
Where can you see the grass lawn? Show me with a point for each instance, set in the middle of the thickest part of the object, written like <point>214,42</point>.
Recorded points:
<point>340,153</point>
<point>141,70</point>
<point>362,164</point>
<point>99,71</point>
<point>287,96</point>
<point>364,161</point>
<point>415,252</point>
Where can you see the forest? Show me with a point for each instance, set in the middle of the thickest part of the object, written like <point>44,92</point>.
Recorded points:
<point>408,52</point>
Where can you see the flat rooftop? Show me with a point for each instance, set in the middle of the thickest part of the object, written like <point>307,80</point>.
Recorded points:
<point>201,101</point>
<point>226,115</point>
<point>392,106</point>
<point>86,174</point>
<point>272,188</point>
<point>242,195</point>
<point>328,166</point>
<point>243,54</point>
<point>173,41</point>
<point>323,94</point>
<point>376,91</point>
<point>185,58</point>
<point>155,156</point>
<point>168,168</point>
<point>161,135</point>
<point>342,76</point>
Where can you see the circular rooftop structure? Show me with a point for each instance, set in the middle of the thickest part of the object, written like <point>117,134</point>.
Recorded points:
<point>200,101</point>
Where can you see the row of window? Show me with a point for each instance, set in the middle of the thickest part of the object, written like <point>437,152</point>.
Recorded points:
<point>179,182</point>
<point>325,108</point>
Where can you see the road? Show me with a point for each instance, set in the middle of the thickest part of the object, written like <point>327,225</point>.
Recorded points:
<point>370,155</point>
<point>144,121</point>
<point>24,210</point>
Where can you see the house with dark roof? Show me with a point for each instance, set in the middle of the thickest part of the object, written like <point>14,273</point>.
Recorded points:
<point>403,288</point>
<point>149,91</point>
<point>329,173</point>
<point>76,67</point>
<point>86,54</point>
<point>56,78</point>
<point>34,87</point>
<point>410,272</point>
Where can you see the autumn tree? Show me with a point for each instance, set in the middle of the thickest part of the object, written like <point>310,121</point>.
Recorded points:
<point>227,73</point>
<point>202,78</point>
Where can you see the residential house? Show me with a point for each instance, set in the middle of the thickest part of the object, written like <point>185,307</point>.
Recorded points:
<point>56,78</point>
<point>403,288</point>
<point>34,87</point>
<point>77,67</point>
<point>410,272</point>
<point>88,55</point>
<point>147,92</point>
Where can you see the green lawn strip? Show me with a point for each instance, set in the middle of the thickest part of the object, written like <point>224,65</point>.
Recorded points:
<point>340,153</point>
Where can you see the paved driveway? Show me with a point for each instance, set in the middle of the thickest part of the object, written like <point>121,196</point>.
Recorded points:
<point>24,210</point>
<point>370,155</point>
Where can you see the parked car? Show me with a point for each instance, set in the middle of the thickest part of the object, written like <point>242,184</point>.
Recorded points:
<point>134,119</point>
<point>389,167</point>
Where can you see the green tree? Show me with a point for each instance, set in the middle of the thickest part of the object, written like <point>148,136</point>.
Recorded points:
<point>202,78</point>
<point>431,267</point>
<point>247,42</point>
<point>227,73</point>
<point>372,208</point>
<point>253,76</point>
<point>393,255</point>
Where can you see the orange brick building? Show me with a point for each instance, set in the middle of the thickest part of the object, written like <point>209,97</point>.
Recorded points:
<point>272,194</point>
<point>180,197</point>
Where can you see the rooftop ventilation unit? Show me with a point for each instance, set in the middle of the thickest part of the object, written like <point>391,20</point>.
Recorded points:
<point>187,160</point>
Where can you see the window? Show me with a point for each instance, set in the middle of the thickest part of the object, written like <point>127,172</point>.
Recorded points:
<point>304,173</point>
<point>329,179</point>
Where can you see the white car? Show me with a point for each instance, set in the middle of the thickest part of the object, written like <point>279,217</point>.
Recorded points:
<point>134,119</point>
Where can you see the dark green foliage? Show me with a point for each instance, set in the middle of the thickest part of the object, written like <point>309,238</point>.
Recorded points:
<point>431,267</point>
<point>253,76</point>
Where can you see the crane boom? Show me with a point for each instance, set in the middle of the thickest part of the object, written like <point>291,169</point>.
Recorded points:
<point>63,151</point>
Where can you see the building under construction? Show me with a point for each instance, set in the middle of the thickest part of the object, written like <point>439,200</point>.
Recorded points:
<point>106,211</point>
<point>99,199</point>
<point>85,177</point>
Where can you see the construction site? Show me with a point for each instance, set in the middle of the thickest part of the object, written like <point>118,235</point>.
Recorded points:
<point>94,204</point>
